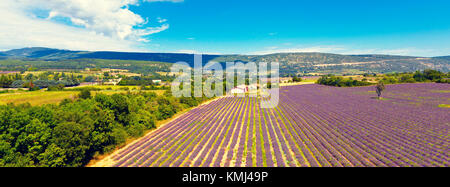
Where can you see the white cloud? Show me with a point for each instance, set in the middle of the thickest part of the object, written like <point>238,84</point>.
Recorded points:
<point>18,30</point>
<point>100,25</point>
<point>107,17</point>
<point>161,20</point>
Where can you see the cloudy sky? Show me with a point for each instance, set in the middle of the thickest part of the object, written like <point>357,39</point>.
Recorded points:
<point>401,27</point>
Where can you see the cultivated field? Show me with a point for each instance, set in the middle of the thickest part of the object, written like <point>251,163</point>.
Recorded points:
<point>37,97</point>
<point>42,97</point>
<point>313,125</point>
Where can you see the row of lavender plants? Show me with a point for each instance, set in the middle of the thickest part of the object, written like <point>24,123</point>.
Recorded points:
<point>313,125</point>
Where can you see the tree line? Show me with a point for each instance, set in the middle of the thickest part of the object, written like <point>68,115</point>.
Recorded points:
<point>43,80</point>
<point>418,76</point>
<point>391,78</point>
<point>331,80</point>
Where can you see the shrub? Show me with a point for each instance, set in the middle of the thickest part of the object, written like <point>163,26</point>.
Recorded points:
<point>331,80</point>
<point>89,79</point>
<point>58,87</point>
<point>297,79</point>
<point>34,88</point>
<point>18,84</point>
<point>85,94</point>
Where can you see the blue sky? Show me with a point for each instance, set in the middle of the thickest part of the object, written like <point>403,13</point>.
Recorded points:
<point>247,26</point>
<point>403,27</point>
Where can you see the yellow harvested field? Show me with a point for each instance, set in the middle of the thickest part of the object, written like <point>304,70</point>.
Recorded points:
<point>36,98</point>
<point>105,87</point>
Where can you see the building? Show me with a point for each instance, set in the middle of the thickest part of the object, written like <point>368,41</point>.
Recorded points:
<point>112,82</point>
<point>238,90</point>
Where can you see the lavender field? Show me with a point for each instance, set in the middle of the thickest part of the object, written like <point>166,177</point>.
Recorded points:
<point>313,125</point>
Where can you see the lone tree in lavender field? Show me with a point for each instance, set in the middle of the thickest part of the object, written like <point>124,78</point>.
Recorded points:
<point>380,88</point>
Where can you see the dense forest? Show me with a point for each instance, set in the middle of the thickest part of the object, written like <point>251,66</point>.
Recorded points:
<point>75,131</point>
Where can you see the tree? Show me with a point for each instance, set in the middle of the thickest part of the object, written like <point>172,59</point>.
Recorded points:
<point>73,139</point>
<point>407,78</point>
<point>53,156</point>
<point>297,79</point>
<point>56,77</point>
<point>5,81</point>
<point>85,94</point>
<point>84,128</point>
<point>31,86</point>
<point>432,74</point>
<point>89,79</point>
<point>380,88</point>
<point>29,77</point>
<point>165,111</point>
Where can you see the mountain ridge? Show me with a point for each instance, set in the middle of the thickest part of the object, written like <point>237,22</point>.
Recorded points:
<point>40,52</point>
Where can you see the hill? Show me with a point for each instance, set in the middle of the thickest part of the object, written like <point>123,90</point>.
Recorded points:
<point>444,57</point>
<point>290,63</point>
<point>39,52</point>
<point>57,54</point>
